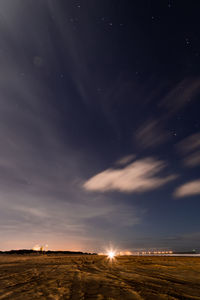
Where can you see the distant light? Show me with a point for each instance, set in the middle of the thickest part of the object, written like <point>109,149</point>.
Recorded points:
<point>36,248</point>
<point>111,254</point>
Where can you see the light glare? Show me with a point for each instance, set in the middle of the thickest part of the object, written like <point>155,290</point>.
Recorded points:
<point>111,254</point>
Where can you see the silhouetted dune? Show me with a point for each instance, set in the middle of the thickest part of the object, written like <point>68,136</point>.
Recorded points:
<point>30,251</point>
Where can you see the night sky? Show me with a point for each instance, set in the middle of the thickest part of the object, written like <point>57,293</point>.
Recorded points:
<point>100,124</point>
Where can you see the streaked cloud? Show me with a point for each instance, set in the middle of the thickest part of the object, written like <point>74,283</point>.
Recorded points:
<point>151,134</point>
<point>31,211</point>
<point>125,160</point>
<point>190,143</point>
<point>181,95</point>
<point>190,149</point>
<point>61,121</point>
<point>118,216</point>
<point>192,160</point>
<point>139,176</point>
<point>41,164</point>
<point>191,188</point>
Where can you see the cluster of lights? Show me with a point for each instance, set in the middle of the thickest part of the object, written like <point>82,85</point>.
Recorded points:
<point>157,252</point>
<point>111,254</point>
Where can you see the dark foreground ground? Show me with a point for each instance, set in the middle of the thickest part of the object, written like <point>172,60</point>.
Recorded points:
<point>94,277</point>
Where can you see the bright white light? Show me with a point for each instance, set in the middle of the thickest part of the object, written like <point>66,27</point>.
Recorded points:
<point>111,254</point>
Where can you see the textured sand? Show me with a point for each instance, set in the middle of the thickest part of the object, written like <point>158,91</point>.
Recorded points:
<point>94,277</point>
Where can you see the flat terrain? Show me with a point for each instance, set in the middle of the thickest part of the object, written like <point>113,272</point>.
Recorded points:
<point>95,277</point>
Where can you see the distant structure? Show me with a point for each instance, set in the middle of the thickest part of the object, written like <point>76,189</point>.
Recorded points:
<point>36,248</point>
<point>40,248</point>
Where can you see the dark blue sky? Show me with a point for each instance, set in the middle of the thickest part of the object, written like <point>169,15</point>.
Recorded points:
<point>99,124</point>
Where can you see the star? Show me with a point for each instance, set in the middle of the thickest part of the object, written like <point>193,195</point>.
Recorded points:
<point>187,41</point>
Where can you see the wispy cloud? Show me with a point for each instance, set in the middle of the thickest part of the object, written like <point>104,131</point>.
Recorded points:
<point>193,159</point>
<point>191,188</point>
<point>151,134</point>
<point>31,211</point>
<point>181,95</point>
<point>190,143</point>
<point>119,216</point>
<point>125,160</point>
<point>139,176</point>
<point>190,149</point>
<point>152,131</point>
